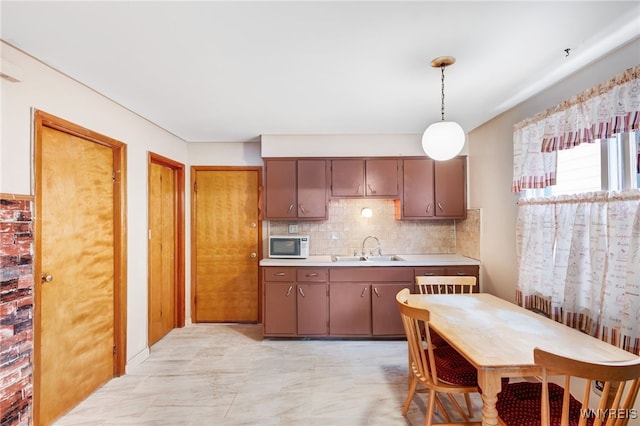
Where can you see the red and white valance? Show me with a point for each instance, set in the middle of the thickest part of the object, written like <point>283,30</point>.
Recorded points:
<point>600,112</point>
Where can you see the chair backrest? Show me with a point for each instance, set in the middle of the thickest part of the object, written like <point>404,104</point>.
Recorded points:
<point>615,405</point>
<point>445,284</point>
<point>414,321</point>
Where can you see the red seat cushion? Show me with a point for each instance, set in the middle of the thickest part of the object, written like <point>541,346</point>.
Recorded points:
<point>454,368</point>
<point>437,340</point>
<point>519,404</point>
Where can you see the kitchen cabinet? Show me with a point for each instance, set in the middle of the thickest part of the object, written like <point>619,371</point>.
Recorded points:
<point>295,302</point>
<point>362,301</point>
<point>433,189</point>
<point>341,301</point>
<point>312,302</point>
<point>373,178</point>
<point>296,189</point>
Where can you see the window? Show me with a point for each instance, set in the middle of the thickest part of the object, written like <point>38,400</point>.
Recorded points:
<point>608,164</point>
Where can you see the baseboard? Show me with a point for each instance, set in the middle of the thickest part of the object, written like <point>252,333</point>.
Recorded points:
<point>137,359</point>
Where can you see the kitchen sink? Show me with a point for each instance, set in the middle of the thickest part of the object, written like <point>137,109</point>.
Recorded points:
<point>371,258</point>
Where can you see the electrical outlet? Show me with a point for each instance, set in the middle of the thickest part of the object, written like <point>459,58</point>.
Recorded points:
<point>293,229</point>
<point>597,387</point>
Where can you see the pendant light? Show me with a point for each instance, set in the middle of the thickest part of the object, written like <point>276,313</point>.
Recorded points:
<point>443,140</point>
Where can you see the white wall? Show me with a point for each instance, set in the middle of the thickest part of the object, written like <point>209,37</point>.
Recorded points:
<point>491,168</point>
<point>52,92</point>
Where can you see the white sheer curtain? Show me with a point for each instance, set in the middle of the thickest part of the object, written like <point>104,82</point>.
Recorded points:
<point>598,113</point>
<point>579,262</point>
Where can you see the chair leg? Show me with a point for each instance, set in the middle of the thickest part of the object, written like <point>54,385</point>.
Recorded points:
<point>412,391</point>
<point>431,402</point>
<point>457,407</point>
<point>444,412</point>
<point>467,398</point>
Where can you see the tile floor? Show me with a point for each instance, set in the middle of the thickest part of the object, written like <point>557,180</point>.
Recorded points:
<point>219,374</point>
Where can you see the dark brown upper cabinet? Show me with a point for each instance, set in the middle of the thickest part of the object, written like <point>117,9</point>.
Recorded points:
<point>373,178</point>
<point>296,189</point>
<point>434,189</point>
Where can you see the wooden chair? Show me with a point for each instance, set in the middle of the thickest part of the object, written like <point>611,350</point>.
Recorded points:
<point>439,370</point>
<point>549,404</point>
<point>444,284</point>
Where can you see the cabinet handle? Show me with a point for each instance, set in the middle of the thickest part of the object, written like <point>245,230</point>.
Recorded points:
<point>440,206</point>
<point>358,189</point>
<point>301,292</point>
<point>428,208</point>
<point>289,290</point>
<point>461,274</point>
<point>375,289</point>
<point>302,208</point>
<point>364,290</point>
<point>290,208</point>
<point>371,190</point>
<point>279,274</point>
<point>429,274</point>
<point>312,274</point>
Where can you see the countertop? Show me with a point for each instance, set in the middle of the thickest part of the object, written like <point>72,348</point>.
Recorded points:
<point>408,260</point>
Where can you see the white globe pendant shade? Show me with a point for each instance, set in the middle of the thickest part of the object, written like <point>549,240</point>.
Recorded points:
<point>443,140</point>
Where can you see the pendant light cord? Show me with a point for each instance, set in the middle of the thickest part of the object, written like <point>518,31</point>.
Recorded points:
<point>442,67</point>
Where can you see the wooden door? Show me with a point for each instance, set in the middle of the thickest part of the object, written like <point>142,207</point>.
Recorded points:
<point>162,248</point>
<point>226,242</point>
<point>79,237</point>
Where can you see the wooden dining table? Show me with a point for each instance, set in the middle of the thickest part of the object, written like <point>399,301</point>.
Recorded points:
<point>498,338</point>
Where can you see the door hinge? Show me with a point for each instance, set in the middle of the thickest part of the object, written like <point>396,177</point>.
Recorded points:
<point>114,350</point>
<point>195,186</point>
<point>113,176</point>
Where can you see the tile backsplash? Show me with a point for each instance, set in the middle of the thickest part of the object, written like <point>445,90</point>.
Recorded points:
<point>345,230</point>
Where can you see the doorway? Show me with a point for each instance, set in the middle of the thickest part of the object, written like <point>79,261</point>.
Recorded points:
<point>80,264</point>
<point>166,246</point>
<point>226,240</point>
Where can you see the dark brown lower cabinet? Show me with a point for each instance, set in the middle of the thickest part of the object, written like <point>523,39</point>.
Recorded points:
<point>340,301</point>
<point>312,309</point>
<point>385,317</point>
<point>349,309</point>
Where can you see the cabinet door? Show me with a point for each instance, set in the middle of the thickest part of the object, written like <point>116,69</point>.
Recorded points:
<point>312,189</point>
<point>349,309</point>
<point>418,184</point>
<point>347,178</point>
<point>385,317</point>
<point>450,188</point>
<point>280,189</point>
<point>381,178</point>
<point>312,309</point>
<point>279,308</point>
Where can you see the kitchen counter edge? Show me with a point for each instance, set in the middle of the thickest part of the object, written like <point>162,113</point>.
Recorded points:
<point>409,260</point>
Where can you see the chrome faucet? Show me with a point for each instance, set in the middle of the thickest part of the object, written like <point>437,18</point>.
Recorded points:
<point>377,240</point>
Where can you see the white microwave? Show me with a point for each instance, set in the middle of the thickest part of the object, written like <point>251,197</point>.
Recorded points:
<point>289,246</point>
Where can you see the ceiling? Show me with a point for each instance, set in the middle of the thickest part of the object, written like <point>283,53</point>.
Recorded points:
<point>213,71</point>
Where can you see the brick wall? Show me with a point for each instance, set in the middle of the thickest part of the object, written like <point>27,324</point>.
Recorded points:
<point>16,310</point>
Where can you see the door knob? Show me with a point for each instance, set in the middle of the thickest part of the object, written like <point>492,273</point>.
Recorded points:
<point>46,278</point>
<point>253,255</point>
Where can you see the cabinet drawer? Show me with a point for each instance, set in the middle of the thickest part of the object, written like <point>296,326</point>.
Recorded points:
<point>312,274</point>
<point>279,274</point>
<point>376,274</point>
<point>471,270</point>
<point>431,271</point>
